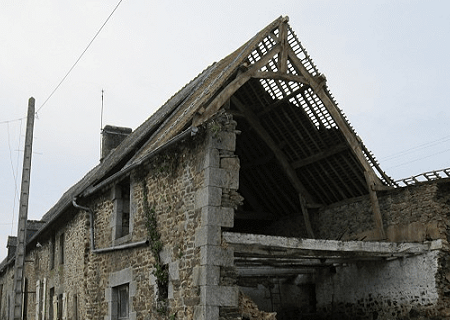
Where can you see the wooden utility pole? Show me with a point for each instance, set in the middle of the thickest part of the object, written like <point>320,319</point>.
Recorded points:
<point>23,215</point>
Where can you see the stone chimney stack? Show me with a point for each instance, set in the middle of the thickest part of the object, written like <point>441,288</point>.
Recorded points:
<point>111,137</point>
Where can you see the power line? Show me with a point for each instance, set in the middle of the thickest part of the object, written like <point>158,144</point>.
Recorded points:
<point>418,159</point>
<point>79,58</point>
<point>412,149</point>
<point>13,120</point>
<point>71,68</point>
<point>16,191</point>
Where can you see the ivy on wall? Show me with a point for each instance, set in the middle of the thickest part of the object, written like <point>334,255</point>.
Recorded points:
<point>160,270</point>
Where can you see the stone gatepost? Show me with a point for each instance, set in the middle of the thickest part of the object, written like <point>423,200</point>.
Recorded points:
<point>213,200</point>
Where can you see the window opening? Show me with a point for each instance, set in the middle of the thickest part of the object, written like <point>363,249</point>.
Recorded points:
<point>52,303</point>
<point>25,300</point>
<point>122,302</point>
<point>61,248</point>
<point>122,215</point>
<point>52,252</point>
<point>75,307</point>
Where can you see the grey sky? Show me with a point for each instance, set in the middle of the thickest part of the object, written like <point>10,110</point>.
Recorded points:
<point>385,61</point>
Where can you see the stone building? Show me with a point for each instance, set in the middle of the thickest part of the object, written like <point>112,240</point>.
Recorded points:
<point>247,195</point>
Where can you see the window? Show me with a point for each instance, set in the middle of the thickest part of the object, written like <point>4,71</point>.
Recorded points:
<point>121,299</point>
<point>52,252</point>
<point>119,295</point>
<point>61,248</point>
<point>75,307</point>
<point>122,209</point>
<point>52,308</point>
<point>40,299</point>
<point>25,300</point>
<point>59,306</point>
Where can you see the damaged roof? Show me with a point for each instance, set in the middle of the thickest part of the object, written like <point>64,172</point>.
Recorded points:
<point>295,140</point>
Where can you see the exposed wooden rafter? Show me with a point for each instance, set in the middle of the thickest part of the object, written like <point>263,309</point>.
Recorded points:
<point>282,56</point>
<point>234,85</point>
<point>319,156</point>
<point>317,84</point>
<point>304,195</point>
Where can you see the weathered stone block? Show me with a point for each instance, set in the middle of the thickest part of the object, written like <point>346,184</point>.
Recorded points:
<point>232,166</point>
<point>208,196</point>
<point>219,296</point>
<point>208,235</point>
<point>216,177</point>
<point>166,255</point>
<point>206,312</point>
<point>222,140</point>
<point>174,270</point>
<point>217,216</point>
<point>212,159</point>
<point>216,255</point>
<point>206,275</point>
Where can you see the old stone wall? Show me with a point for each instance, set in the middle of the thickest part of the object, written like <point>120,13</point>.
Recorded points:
<point>414,213</point>
<point>415,287</point>
<point>394,289</point>
<point>6,289</point>
<point>64,277</point>
<point>170,182</point>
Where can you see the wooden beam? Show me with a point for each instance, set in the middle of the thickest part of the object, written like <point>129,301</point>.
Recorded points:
<point>375,206</point>
<point>277,103</point>
<point>234,85</point>
<point>282,56</point>
<point>282,159</point>
<point>319,156</point>
<point>280,76</point>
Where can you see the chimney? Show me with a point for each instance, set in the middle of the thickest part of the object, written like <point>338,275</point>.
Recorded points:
<point>111,137</point>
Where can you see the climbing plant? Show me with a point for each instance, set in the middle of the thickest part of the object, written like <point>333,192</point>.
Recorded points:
<point>160,270</point>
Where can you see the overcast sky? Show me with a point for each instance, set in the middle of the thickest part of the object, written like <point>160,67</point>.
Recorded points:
<point>386,63</point>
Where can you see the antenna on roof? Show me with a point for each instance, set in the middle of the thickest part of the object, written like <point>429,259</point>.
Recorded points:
<point>101,124</point>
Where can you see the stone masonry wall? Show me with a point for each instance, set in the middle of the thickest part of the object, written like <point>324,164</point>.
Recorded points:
<point>380,290</point>
<point>414,213</point>
<point>65,279</point>
<point>215,203</point>
<point>412,288</point>
<point>171,181</point>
